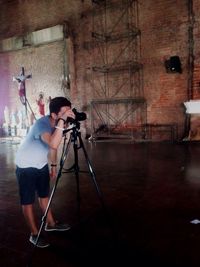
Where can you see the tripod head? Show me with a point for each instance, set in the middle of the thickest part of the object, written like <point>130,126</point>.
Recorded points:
<point>74,126</point>
<point>75,123</point>
<point>75,130</point>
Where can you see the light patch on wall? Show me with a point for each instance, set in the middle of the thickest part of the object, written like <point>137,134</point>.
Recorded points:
<point>48,35</point>
<point>40,37</point>
<point>192,107</point>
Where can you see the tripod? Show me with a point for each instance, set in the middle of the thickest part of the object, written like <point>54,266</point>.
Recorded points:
<point>75,138</point>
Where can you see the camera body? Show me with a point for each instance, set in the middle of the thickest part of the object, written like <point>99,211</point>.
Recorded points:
<point>79,116</point>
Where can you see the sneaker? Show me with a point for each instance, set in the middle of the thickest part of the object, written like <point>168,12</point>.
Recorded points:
<point>57,227</point>
<point>41,242</point>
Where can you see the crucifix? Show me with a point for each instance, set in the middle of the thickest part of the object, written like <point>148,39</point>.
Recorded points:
<point>22,90</point>
<point>22,87</point>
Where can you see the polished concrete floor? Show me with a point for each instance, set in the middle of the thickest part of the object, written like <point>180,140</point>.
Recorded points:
<point>150,197</point>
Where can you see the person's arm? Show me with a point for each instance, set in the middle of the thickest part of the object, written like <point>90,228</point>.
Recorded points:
<point>54,140</point>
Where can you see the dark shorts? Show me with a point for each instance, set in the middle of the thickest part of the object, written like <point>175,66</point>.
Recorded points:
<point>32,181</point>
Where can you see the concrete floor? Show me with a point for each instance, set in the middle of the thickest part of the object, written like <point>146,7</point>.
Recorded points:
<point>151,193</point>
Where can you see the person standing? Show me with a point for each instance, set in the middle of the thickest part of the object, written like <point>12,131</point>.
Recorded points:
<point>36,162</point>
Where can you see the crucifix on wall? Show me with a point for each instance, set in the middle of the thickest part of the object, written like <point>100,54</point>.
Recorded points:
<point>22,90</point>
<point>22,86</point>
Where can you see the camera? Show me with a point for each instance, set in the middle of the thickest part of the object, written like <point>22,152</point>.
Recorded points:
<point>79,116</point>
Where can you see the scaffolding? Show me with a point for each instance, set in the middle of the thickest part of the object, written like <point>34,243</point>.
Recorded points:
<point>118,107</point>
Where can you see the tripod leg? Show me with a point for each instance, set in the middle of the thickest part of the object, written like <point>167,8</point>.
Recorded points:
<point>44,218</point>
<point>76,171</point>
<point>93,176</point>
<point>43,221</point>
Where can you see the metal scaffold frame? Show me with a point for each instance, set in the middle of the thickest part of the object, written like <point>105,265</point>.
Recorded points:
<point>118,107</point>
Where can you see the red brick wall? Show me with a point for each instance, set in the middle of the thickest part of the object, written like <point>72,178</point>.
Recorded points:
<point>22,16</point>
<point>196,75</point>
<point>164,34</point>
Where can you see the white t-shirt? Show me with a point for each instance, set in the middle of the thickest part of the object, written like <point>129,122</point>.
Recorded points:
<point>33,152</point>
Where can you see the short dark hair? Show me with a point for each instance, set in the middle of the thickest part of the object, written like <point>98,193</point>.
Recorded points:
<point>57,103</point>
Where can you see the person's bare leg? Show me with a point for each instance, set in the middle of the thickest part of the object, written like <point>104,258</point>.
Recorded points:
<point>30,218</point>
<point>43,204</point>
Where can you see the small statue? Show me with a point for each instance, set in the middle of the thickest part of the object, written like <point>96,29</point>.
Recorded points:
<point>41,104</point>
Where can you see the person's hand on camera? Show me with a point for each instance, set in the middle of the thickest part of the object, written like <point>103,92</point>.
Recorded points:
<point>68,114</point>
